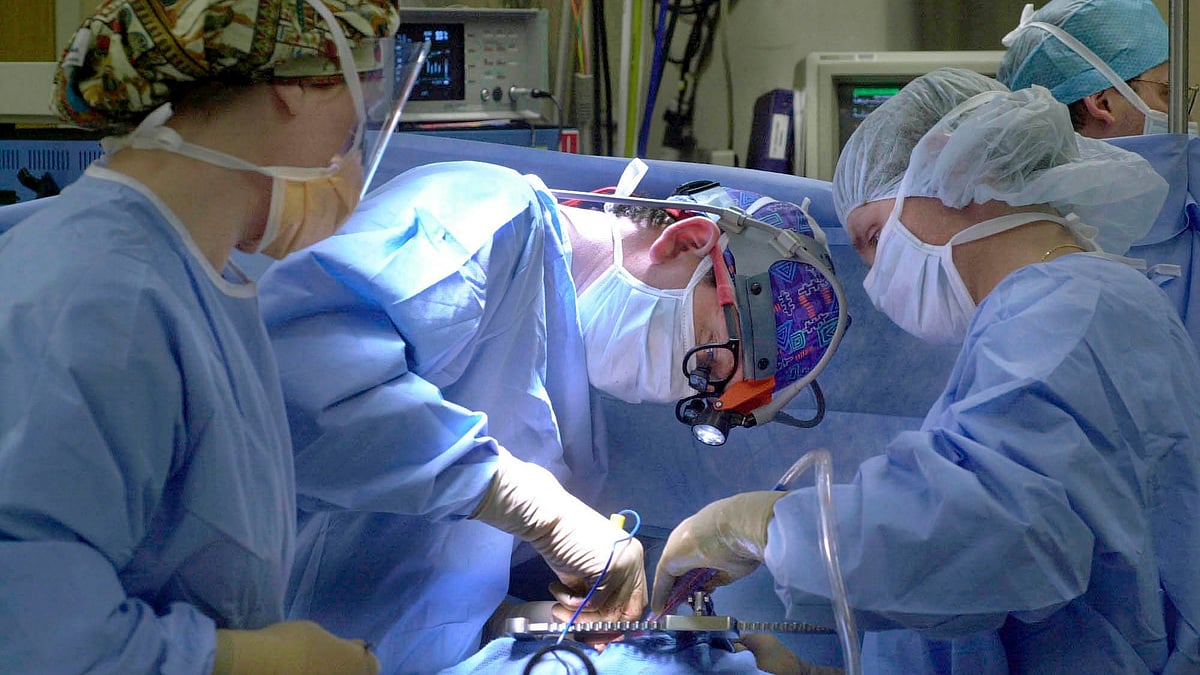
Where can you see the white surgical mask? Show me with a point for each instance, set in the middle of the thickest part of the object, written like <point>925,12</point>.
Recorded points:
<point>1155,120</point>
<point>917,285</point>
<point>635,335</point>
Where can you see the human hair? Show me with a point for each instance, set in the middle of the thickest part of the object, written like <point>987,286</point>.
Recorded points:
<point>653,218</point>
<point>648,217</point>
<point>209,96</point>
<point>1079,112</point>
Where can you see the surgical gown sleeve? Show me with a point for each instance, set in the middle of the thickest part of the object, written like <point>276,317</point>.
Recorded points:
<point>405,287</point>
<point>1063,445</point>
<point>90,408</point>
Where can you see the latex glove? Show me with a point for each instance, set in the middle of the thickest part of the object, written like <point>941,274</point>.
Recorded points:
<point>772,657</point>
<point>527,502</point>
<point>729,535</point>
<point>291,648</point>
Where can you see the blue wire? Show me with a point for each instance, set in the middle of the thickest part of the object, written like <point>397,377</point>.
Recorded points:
<point>656,68</point>
<point>637,525</point>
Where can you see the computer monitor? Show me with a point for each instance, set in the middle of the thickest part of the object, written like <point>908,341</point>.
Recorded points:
<point>841,88</point>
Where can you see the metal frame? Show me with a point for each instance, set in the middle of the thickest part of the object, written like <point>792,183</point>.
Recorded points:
<point>1177,102</point>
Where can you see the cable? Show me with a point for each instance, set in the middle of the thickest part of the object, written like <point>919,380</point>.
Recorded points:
<point>698,50</point>
<point>542,93</point>
<point>723,23</point>
<point>656,71</point>
<point>560,647</point>
<point>597,119</point>
<point>600,35</point>
<point>637,525</point>
<point>576,10</point>
<point>515,93</point>
<point>818,396</point>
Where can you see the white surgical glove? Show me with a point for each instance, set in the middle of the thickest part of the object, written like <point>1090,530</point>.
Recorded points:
<point>770,656</point>
<point>729,535</point>
<point>527,502</point>
<point>291,648</point>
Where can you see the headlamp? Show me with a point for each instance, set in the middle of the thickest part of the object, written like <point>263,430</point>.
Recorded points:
<point>756,247</point>
<point>709,425</point>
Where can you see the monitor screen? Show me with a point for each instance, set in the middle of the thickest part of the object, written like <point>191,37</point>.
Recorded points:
<point>842,88</point>
<point>442,78</point>
<point>856,100</point>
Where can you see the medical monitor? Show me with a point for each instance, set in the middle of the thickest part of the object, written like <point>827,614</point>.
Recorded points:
<point>475,57</point>
<point>842,88</point>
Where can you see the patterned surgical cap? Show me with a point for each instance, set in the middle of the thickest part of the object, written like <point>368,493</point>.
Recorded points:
<point>131,56</point>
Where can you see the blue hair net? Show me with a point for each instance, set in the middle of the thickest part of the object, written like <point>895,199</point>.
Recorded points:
<point>1129,35</point>
<point>876,155</point>
<point>1019,148</point>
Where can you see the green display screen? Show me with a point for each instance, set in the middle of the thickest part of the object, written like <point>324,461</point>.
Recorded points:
<point>876,91</point>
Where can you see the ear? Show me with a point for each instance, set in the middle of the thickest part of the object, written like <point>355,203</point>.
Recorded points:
<point>1100,106</point>
<point>288,98</point>
<point>695,235</point>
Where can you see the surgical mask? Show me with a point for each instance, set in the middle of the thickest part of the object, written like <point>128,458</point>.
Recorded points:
<point>1155,120</point>
<point>635,335</point>
<point>917,285</point>
<point>307,204</point>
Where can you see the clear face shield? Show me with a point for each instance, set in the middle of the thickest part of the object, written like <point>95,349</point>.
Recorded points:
<point>380,75</point>
<point>403,62</point>
<point>735,380</point>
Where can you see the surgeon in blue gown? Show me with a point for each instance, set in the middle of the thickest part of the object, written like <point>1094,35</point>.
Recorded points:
<point>146,482</point>
<point>1045,518</point>
<point>1107,61</point>
<point>436,357</point>
<point>449,292</point>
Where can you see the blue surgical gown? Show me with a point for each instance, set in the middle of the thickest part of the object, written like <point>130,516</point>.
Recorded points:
<point>1046,516</point>
<point>146,490</point>
<point>438,325</point>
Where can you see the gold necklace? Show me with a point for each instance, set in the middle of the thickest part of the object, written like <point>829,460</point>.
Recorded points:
<point>1059,248</point>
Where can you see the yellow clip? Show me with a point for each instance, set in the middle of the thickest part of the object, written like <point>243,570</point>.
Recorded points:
<point>618,520</point>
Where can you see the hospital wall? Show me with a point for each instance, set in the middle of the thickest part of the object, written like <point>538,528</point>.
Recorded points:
<point>769,37</point>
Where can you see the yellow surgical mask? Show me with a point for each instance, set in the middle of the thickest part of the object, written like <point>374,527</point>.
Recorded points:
<point>309,205</point>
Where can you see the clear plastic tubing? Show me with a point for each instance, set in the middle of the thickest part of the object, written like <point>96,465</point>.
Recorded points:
<point>820,460</point>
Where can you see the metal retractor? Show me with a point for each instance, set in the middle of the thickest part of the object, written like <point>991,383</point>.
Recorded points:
<point>711,626</point>
<point>703,625</point>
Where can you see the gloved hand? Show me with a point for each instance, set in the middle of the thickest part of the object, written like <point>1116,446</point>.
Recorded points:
<point>770,656</point>
<point>729,535</point>
<point>527,502</point>
<point>291,648</point>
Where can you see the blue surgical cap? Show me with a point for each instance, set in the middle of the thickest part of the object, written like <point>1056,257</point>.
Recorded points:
<point>1129,35</point>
